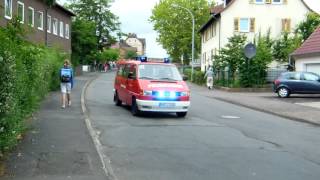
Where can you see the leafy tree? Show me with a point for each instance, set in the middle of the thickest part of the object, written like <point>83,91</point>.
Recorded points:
<point>284,46</point>
<point>231,55</point>
<point>84,41</point>
<point>174,25</point>
<point>98,12</point>
<point>130,55</point>
<point>109,55</point>
<point>253,72</point>
<point>308,26</point>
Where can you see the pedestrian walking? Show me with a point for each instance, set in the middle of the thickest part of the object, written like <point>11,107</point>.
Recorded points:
<point>66,77</point>
<point>209,75</point>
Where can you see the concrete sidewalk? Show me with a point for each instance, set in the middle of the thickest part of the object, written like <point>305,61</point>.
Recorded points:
<point>291,108</point>
<point>58,144</point>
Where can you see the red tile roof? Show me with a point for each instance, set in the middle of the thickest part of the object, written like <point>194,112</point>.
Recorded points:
<point>311,45</point>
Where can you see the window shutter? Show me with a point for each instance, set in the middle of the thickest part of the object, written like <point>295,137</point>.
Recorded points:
<point>236,24</point>
<point>252,24</point>
<point>283,25</point>
<point>268,1</point>
<point>251,1</point>
<point>285,1</point>
<point>288,25</point>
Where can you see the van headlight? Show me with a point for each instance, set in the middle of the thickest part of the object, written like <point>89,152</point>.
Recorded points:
<point>185,93</point>
<point>147,93</point>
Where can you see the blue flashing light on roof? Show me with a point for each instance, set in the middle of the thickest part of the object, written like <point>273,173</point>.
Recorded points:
<point>142,58</point>
<point>166,60</point>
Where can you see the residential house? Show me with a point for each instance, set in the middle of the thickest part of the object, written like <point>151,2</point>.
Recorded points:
<point>123,47</point>
<point>32,13</point>
<point>307,57</point>
<point>139,43</point>
<point>248,17</point>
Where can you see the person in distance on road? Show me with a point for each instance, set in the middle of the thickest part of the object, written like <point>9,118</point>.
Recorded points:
<point>209,76</point>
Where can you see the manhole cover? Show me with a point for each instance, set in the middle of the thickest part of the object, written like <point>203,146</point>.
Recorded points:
<point>230,117</point>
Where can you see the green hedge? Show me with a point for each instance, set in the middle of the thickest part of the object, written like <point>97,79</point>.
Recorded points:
<point>198,76</point>
<point>28,73</point>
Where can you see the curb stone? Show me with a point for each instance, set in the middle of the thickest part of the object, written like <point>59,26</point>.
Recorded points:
<point>106,166</point>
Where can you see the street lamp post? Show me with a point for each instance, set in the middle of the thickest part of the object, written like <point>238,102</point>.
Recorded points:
<point>193,24</point>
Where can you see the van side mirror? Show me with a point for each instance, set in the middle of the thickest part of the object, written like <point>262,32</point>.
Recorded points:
<point>185,78</point>
<point>131,76</point>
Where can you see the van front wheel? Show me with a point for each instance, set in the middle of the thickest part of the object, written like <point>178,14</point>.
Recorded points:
<point>116,99</point>
<point>134,108</point>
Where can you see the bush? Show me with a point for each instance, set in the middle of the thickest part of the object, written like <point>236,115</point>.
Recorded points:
<point>28,73</point>
<point>198,76</point>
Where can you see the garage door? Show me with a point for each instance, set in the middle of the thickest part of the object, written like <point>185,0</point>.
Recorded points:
<point>313,68</point>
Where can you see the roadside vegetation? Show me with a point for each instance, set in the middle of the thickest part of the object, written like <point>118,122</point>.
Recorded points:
<point>28,73</point>
<point>94,30</point>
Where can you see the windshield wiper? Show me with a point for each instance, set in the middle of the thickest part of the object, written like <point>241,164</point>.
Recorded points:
<point>145,77</point>
<point>170,79</point>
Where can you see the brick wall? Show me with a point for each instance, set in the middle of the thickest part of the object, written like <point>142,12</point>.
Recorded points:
<point>38,36</point>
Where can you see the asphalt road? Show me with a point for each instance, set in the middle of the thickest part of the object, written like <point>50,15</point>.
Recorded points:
<point>216,140</point>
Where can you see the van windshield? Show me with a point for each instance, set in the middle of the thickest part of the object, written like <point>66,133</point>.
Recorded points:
<point>158,72</point>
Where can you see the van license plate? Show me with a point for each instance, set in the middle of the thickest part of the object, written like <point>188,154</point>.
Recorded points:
<point>167,105</point>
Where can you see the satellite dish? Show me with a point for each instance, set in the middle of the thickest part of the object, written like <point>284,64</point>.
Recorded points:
<point>250,50</point>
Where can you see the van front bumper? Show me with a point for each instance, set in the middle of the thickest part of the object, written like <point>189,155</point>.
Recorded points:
<point>163,106</point>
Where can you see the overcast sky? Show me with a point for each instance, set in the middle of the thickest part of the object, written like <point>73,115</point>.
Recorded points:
<point>134,15</point>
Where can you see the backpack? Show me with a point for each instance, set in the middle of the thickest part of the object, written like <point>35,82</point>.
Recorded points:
<point>66,75</point>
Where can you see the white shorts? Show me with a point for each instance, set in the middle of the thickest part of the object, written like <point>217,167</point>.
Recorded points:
<point>65,88</point>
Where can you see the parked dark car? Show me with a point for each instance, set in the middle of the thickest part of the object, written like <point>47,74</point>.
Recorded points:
<point>296,83</point>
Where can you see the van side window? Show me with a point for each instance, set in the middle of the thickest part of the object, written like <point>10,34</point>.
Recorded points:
<point>120,71</point>
<point>133,69</point>
<point>126,71</point>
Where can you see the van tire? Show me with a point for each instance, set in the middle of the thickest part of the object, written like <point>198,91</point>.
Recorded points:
<point>134,108</point>
<point>116,99</point>
<point>181,114</point>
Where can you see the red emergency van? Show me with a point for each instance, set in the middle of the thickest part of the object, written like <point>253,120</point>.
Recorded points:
<point>150,86</point>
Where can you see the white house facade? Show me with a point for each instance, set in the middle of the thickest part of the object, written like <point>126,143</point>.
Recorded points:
<point>248,17</point>
<point>136,42</point>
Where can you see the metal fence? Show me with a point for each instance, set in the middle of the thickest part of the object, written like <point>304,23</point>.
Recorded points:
<point>225,78</point>
<point>273,74</point>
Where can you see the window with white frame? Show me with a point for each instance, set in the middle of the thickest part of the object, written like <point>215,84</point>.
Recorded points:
<point>40,20</point>
<point>55,26</point>
<point>244,25</point>
<point>276,1</point>
<point>259,1</point>
<point>67,32</point>
<point>61,29</point>
<point>20,11</point>
<point>8,9</point>
<point>31,16</point>
<point>49,24</point>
